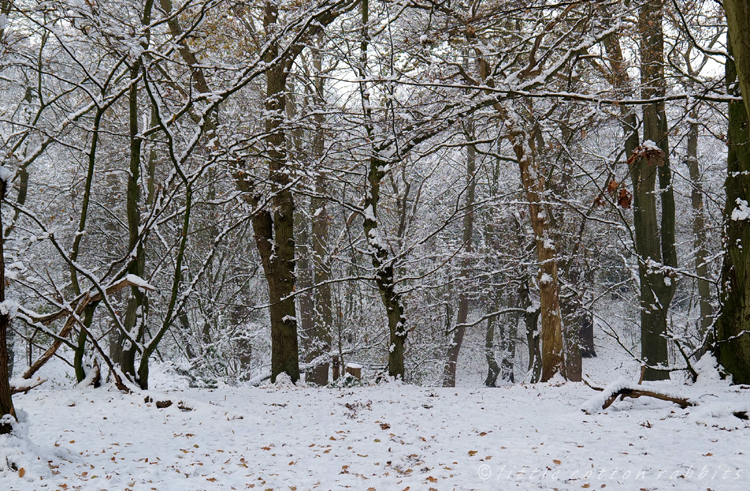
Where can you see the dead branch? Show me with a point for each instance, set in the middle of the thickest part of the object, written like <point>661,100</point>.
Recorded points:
<point>26,387</point>
<point>636,393</point>
<point>73,312</point>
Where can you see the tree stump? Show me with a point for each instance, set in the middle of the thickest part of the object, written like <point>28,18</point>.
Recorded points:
<point>336,367</point>
<point>355,370</point>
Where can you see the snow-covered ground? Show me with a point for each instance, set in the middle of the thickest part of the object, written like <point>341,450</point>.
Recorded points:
<point>386,437</point>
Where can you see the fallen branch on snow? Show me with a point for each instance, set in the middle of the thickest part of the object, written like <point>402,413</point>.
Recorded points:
<point>622,388</point>
<point>18,386</point>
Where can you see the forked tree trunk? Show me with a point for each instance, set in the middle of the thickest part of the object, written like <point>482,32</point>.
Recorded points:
<point>732,328</point>
<point>655,239</point>
<point>449,374</point>
<point>643,178</point>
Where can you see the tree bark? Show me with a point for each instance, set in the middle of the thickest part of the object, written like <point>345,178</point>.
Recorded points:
<point>549,288</point>
<point>6,400</point>
<point>699,228</point>
<point>378,248</point>
<point>133,315</point>
<point>655,257</point>
<point>303,239</point>
<point>323,320</point>
<point>449,374</point>
<point>493,369</point>
<point>531,321</point>
<point>572,312</point>
<point>274,230</point>
<point>732,347</point>
<point>738,21</point>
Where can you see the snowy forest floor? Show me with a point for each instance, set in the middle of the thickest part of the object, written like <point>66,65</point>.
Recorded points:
<point>387,437</point>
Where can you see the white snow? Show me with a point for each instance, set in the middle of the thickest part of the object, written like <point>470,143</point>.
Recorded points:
<point>742,212</point>
<point>649,145</point>
<point>369,213</point>
<point>385,437</point>
<point>139,282</point>
<point>5,173</point>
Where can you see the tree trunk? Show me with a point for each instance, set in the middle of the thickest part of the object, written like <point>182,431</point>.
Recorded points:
<point>493,369</point>
<point>384,272</point>
<point>304,272</point>
<point>655,248</point>
<point>449,375</point>
<point>6,400</point>
<point>508,348</point>
<point>323,321</point>
<point>586,336</point>
<point>738,21</point>
<point>133,315</point>
<point>549,294</point>
<point>378,248</point>
<point>531,320</point>
<point>732,327</point>
<point>274,230</point>
<point>572,312</point>
<point>699,228</point>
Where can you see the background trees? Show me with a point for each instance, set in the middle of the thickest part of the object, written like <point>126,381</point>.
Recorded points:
<point>233,186</point>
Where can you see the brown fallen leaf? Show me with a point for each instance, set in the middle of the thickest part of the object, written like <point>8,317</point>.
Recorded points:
<point>21,472</point>
<point>472,453</point>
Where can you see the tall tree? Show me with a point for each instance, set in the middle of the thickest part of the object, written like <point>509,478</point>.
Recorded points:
<point>732,327</point>
<point>6,400</point>
<point>449,376</point>
<point>654,237</point>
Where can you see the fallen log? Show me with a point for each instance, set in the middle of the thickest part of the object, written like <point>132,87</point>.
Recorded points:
<point>622,388</point>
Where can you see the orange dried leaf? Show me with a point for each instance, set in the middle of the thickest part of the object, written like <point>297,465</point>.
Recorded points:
<point>624,199</point>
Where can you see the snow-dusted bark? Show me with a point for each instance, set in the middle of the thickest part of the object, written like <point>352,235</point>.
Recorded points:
<point>732,327</point>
